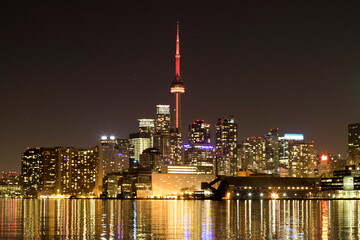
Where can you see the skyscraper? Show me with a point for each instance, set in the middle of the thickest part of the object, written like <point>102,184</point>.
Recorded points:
<point>146,126</point>
<point>199,152</point>
<point>272,149</point>
<point>109,155</point>
<point>253,153</point>
<point>298,156</point>
<point>354,143</point>
<point>199,132</point>
<point>162,119</point>
<point>226,146</point>
<point>138,143</point>
<point>124,154</point>
<point>32,171</point>
<point>163,127</point>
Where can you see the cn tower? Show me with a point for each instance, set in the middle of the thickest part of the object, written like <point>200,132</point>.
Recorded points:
<point>177,87</point>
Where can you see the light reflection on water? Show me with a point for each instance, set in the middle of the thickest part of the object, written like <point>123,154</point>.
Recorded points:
<point>179,219</point>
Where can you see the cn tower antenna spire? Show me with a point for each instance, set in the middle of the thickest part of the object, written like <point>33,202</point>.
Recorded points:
<point>177,55</point>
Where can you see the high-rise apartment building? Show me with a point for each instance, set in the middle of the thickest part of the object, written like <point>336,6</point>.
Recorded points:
<point>354,143</point>
<point>124,153</point>
<point>226,145</point>
<point>81,171</point>
<point>298,156</point>
<point>51,171</point>
<point>61,170</point>
<point>272,149</point>
<point>32,171</point>
<point>253,155</point>
<point>109,155</point>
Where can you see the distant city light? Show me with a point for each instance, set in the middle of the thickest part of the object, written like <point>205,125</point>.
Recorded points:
<point>324,157</point>
<point>112,138</point>
<point>274,195</point>
<point>103,137</point>
<point>186,145</point>
<point>292,136</point>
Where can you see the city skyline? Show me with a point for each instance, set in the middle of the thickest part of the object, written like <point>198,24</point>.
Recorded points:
<point>71,98</point>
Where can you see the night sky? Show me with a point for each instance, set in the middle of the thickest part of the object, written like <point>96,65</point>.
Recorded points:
<point>71,72</point>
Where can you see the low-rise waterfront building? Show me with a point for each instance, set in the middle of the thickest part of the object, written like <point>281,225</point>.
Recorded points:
<point>178,184</point>
<point>344,183</point>
<point>263,187</point>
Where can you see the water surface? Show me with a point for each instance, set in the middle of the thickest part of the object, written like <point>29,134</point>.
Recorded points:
<point>179,219</point>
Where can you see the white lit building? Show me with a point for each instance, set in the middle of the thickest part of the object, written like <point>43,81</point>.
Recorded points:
<point>138,143</point>
<point>178,181</point>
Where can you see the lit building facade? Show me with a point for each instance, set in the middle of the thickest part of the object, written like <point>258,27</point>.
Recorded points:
<point>287,156</point>
<point>354,143</point>
<point>272,149</point>
<point>147,126</point>
<point>163,120</point>
<point>199,132</point>
<point>32,171</point>
<point>298,156</point>
<point>124,153</point>
<point>81,171</point>
<point>112,185</point>
<point>253,153</point>
<point>198,152</point>
<point>178,183</point>
<point>51,170</point>
<point>10,185</point>
<point>109,155</point>
<point>344,183</point>
<point>61,170</point>
<point>138,143</point>
<point>11,178</point>
<point>175,148</point>
<point>326,164</point>
<point>163,129</point>
<point>150,159</point>
<point>226,146</point>
<point>201,156</point>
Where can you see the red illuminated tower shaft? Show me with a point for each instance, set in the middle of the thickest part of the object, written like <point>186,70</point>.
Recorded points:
<point>177,85</point>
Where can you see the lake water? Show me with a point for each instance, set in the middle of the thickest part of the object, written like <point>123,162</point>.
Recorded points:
<point>179,219</point>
